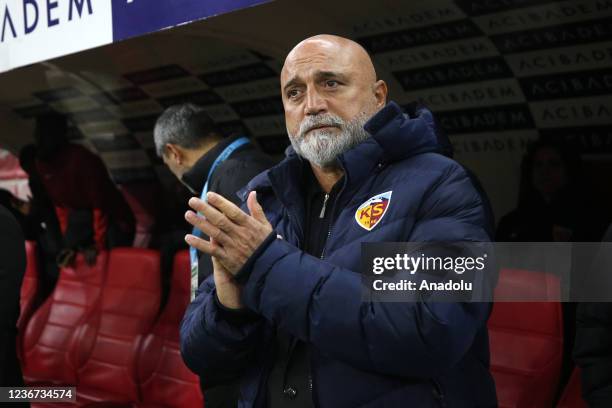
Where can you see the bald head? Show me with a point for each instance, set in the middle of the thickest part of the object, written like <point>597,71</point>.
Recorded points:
<point>345,52</point>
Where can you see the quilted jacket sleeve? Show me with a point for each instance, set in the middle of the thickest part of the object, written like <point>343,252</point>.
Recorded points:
<point>217,343</point>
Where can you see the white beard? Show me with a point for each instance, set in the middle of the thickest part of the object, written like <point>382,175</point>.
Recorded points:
<point>323,146</point>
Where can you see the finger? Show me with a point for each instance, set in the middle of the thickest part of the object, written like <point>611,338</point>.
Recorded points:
<point>214,216</point>
<point>197,204</point>
<point>208,228</point>
<point>231,210</point>
<point>255,208</point>
<point>203,246</point>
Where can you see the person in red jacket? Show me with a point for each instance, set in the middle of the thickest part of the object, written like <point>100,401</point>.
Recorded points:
<point>92,212</point>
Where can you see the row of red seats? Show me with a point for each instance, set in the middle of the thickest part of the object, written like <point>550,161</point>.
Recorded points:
<point>526,342</point>
<point>101,330</point>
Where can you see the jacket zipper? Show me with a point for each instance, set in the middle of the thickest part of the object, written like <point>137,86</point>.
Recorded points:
<point>438,393</point>
<point>329,232</point>
<point>322,214</point>
<point>333,210</point>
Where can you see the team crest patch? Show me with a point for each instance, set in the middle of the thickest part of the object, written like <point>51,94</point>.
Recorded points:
<point>369,214</point>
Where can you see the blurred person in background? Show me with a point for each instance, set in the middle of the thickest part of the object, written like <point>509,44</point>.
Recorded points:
<point>40,205</point>
<point>12,270</point>
<point>204,159</point>
<point>93,214</point>
<point>554,204</point>
<point>20,210</point>
<point>42,213</point>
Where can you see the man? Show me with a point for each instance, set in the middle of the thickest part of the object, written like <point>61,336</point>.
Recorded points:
<point>12,269</point>
<point>191,145</point>
<point>287,274</point>
<point>198,154</point>
<point>42,214</point>
<point>92,213</point>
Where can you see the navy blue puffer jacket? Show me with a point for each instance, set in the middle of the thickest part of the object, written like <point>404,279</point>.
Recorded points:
<point>364,354</point>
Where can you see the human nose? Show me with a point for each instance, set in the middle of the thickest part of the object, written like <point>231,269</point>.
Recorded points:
<point>315,103</point>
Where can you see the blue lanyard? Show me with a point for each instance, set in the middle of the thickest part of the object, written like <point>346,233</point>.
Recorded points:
<point>193,253</point>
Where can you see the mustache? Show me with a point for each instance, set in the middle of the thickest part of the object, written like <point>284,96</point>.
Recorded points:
<point>313,122</point>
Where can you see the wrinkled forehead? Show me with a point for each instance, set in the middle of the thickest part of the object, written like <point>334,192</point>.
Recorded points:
<point>310,58</point>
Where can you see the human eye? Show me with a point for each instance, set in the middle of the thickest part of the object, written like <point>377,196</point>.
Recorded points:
<point>293,93</point>
<point>331,83</point>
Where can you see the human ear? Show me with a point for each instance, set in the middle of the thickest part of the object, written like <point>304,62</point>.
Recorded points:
<point>174,153</point>
<point>380,93</point>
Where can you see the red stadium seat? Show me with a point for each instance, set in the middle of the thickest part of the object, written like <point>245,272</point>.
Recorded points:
<point>128,307</point>
<point>526,339</point>
<point>29,290</point>
<point>165,381</point>
<point>142,199</point>
<point>53,332</point>
<point>572,395</point>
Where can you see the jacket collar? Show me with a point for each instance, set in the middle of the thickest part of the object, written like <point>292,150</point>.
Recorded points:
<point>196,177</point>
<point>395,137</point>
